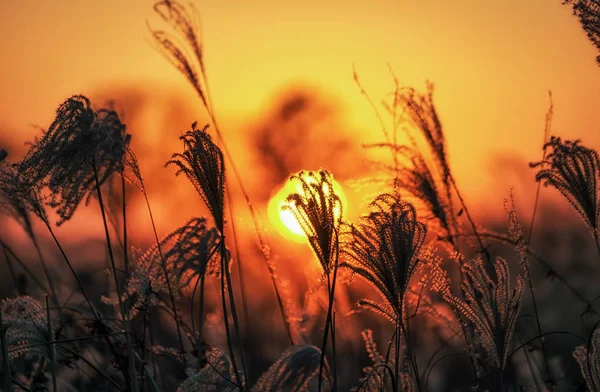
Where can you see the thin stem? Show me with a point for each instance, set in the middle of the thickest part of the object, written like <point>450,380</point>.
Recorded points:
<point>201,279</point>
<point>236,323</point>
<point>397,352</point>
<point>411,356</point>
<point>537,319</point>
<point>66,258</point>
<point>224,266</point>
<point>36,245</point>
<point>239,266</point>
<point>482,247</point>
<point>146,319</point>
<point>124,209</point>
<point>154,363</point>
<point>164,267</point>
<point>132,376</point>
<point>91,365</point>
<point>333,353</point>
<point>11,270</point>
<point>373,372</point>
<point>547,127</point>
<point>331,287</point>
<point>201,308</point>
<point>10,252</point>
<point>253,213</point>
<point>51,347</point>
<point>530,364</point>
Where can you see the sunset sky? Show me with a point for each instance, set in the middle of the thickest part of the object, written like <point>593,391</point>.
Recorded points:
<point>492,63</point>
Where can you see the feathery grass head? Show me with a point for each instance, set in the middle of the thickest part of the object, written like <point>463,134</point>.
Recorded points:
<point>18,199</point>
<point>384,248</point>
<point>79,145</point>
<point>588,13</point>
<point>318,210</point>
<point>216,376</point>
<point>185,52</point>
<point>421,166</point>
<point>420,181</point>
<point>292,371</point>
<point>490,304</point>
<point>188,253</point>
<point>575,171</point>
<point>25,323</point>
<point>203,164</point>
<point>421,112</point>
<point>588,359</point>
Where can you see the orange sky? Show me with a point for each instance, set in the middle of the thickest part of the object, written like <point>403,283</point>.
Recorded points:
<point>492,63</point>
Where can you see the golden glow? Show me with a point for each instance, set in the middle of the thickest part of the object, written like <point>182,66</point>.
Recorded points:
<point>284,219</point>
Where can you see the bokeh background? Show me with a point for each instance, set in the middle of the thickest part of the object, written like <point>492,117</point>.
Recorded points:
<point>281,77</point>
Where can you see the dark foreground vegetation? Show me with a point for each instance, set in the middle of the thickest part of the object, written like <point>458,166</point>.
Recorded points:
<point>459,303</point>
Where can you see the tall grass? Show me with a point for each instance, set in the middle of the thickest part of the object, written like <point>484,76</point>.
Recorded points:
<point>443,291</point>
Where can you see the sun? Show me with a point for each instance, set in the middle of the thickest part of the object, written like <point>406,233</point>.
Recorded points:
<point>284,220</point>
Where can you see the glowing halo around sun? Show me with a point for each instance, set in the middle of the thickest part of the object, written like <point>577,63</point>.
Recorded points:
<point>284,220</point>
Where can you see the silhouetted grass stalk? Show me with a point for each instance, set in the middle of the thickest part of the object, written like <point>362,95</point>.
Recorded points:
<point>11,269</point>
<point>66,259</point>
<point>254,214</point>
<point>202,281</point>
<point>132,379</point>
<point>44,266</point>
<point>482,247</point>
<point>410,352</point>
<point>224,267</point>
<point>239,265</point>
<point>51,350</point>
<point>547,131</point>
<point>328,321</point>
<point>234,316</point>
<point>125,243</point>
